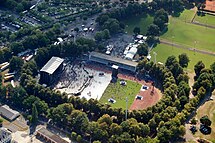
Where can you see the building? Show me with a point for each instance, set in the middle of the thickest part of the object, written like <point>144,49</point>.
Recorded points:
<point>49,136</point>
<point>8,113</point>
<point>51,70</point>
<point>5,135</point>
<point>112,60</point>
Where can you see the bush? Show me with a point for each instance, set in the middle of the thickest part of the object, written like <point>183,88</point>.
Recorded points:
<point>79,139</point>
<point>74,135</point>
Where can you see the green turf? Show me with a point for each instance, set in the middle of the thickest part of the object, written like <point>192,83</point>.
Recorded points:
<point>119,93</point>
<point>206,19</point>
<point>138,21</point>
<point>186,33</point>
<point>186,15</point>
<point>163,51</point>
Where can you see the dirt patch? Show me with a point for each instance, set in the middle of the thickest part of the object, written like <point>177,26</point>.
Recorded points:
<point>149,99</point>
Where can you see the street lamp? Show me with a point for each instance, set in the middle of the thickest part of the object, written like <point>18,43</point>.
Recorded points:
<point>155,54</point>
<point>195,42</point>
<point>126,111</point>
<point>172,41</point>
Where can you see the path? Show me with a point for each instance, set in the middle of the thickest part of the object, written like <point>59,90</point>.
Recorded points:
<point>166,42</point>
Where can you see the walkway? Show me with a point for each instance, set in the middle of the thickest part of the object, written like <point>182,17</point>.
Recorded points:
<point>166,42</point>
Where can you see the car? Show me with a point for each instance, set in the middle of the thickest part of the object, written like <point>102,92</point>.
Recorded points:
<point>122,82</point>
<point>144,87</point>
<point>111,100</point>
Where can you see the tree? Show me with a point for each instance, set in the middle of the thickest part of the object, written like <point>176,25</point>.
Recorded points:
<point>98,36</point>
<point>193,121</point>
<point>76,29</point>
<point>213,67</point>
<point>198,67</point>
<point>142,50</point>
<point>106,34</point>
<point>79,139</point>
<point>136,30</point>
<point>16,63</point>
<point>205,120</point>
<point>153,30</point>
<point>183,60</point>
<point>34,114</point>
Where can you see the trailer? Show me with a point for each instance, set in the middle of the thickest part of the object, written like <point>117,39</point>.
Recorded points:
<point>8,77</point>
<point>8,74</point>
<point>29,58</point>
<point>12,83</point>
<point>5,67</point>
<point>2,64</point>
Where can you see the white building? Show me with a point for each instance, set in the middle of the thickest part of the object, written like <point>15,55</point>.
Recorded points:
<point>131,53</point>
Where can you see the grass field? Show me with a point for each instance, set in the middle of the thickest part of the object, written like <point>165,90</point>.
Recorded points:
<point>119,93</point>
<point>138,21</point>
<point>207,109</point>
<point>186,33</point>
<point>206,19</point>
<point>163,51</point>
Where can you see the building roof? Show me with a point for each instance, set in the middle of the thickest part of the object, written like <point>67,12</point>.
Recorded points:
<point>115,67</point>
<point>113,59</point>
<point>9,113</point>
<point>133,50</point>
<point>129,56</point>
<point>55,138</point>
<point>52,65</point>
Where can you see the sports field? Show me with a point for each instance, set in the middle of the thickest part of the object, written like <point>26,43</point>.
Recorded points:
<point>206,19</point>
<point>184,33</point>
<point>163,51</point>
<point>119,93</point>
<point>138,21</point>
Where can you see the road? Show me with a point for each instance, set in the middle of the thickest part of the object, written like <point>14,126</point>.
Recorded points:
<point>170,43</point>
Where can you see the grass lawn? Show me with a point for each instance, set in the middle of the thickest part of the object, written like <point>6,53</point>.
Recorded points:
<point>207,109</point>
<point>138,21</point>
<point>185,33</point>
<point>119,93</point>
<point>186,15</point>
<point>206,19</point>
<point>163,51</point>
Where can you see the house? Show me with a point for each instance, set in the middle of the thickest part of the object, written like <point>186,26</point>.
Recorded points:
<point>8,113</point>
<point>49,136</point>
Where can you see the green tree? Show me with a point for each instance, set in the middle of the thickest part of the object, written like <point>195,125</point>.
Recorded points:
<point>136,30</point>
<point>34,114</point>
<point>142,50</point>
<point>183,60</point>
<point>213,67</point>
<point>153,30</point>
<point>205,120</point>
<point>198,67</point>
<point>16,63</point>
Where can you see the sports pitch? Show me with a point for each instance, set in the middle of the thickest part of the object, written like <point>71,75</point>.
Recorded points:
<point>119,93</point>
<point>206,19</point>
<point>181,31</point>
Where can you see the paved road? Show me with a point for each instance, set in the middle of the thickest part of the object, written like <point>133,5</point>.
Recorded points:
<point>166,42</point>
